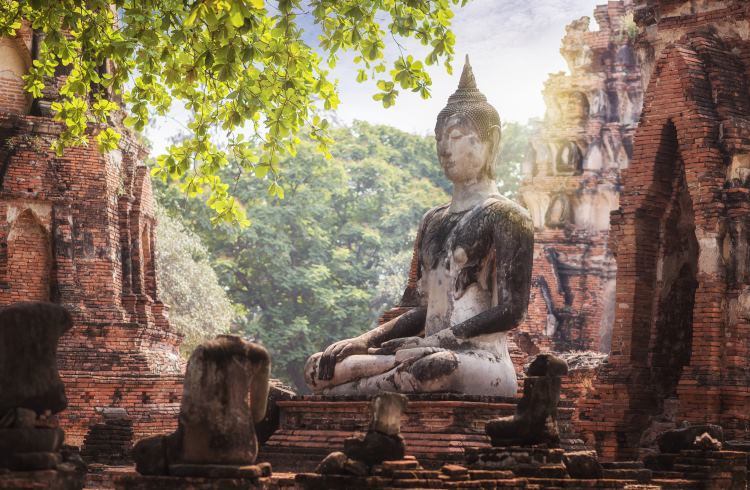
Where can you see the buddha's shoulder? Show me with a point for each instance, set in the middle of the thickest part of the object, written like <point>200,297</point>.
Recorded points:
<point>434,211</point>
<point>505,211</point>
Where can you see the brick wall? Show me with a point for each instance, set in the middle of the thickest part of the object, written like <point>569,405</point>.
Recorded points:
<point>680,339</point>
<point>79,230</point>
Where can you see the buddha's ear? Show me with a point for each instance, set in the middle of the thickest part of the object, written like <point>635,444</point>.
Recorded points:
<point>495,138</point>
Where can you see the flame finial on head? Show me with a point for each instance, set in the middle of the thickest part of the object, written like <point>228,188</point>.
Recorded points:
<point>469,102</point>
<point>467,77</point>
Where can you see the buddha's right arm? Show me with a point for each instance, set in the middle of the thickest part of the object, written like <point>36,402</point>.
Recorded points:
<point>409,324</point>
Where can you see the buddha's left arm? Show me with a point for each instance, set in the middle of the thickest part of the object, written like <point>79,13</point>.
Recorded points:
<point>514,251</point>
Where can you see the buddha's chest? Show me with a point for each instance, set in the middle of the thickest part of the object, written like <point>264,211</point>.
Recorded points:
<point>455,241</point>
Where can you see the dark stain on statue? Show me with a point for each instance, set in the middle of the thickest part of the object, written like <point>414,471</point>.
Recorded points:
<point>434,367</point>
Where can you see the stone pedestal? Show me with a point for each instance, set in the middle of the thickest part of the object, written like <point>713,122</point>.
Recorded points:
<point>436,427</point>
<point>65,477</point>
<point>537,461</point>
<point>253,477</point>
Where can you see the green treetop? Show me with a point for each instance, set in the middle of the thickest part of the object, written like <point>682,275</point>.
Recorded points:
<point>241,67</point>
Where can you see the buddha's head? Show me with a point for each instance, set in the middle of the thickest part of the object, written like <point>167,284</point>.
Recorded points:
<point>468,133</point>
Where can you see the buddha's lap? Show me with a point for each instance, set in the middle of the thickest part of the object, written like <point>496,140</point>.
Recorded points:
<point>471,365</point>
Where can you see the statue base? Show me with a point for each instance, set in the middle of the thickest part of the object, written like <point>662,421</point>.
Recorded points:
<point>201,477</point>
<point>65,477</point>
<point>534,461</point>
<point>437,428</point>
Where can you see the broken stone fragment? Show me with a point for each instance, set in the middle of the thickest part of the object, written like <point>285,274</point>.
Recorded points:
<point>34,461</point>
<point>535,421</point>
<point>375,447</point>
<point>454,470</point>
<point>216,422</point>
<point>29,333</point>
<point>547,365</point>
<point>707,443</point>
<point>582,464</point>
<point>383,441</point>
<point>338,463</point>
<point>387,409</point>
<point>676,440</point>
<point>333,464</point>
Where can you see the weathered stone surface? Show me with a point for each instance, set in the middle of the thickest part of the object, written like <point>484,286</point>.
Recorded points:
<point>29,440</point>
<point>150,456</point>
<point>333,464</point>
<point>215,471</point>
<point>517,459</point>
<point>338,463</point>
<point>277,392</point>
<point>387,409</point>
<point>449,333</point>
<point>535,421</point>
<point>29,333</point>
<point>547,365</point>
<point>375,447</point>
<point>22,461</point>
<point>216,423</point>
<point>63,478</point>
<point>582,464</point>
<point>216,420</point>
<point>676,440</point>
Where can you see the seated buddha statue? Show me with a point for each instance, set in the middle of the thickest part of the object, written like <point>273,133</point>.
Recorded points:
<point>472,267</point>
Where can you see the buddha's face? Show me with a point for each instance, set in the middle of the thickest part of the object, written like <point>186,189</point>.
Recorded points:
<point>461,151</point>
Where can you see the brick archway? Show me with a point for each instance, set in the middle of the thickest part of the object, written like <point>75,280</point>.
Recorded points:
<point>670,317</point>
<point>29,259</point>
<point>15,60</point>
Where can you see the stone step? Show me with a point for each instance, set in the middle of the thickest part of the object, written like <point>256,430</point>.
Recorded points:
<point>640,475</point>
<point>677,484</point>
<point>671,475</point>
<point>622,465</point>
<point>541,471</point>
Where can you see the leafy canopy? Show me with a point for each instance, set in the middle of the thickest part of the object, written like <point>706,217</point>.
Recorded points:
<point>241,67</point>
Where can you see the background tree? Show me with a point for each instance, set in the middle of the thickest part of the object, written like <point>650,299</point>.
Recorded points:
<point>513,146</point>
<point>307,271</point>
<point>324,262</point>
<point>199,306</point>
<point>241,67</point>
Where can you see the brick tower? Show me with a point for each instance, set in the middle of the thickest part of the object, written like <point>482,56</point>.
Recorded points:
<point>680,338</point>
<point>79,230</point>
<point>571,182</point>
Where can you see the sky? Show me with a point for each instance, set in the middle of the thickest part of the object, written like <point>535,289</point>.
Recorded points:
<point>513,45</point>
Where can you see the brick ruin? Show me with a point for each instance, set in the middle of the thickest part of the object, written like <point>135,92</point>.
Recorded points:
<point>674,313</point>
<point>79,230</point>
<point>680,337</point>
<point>571,182</point>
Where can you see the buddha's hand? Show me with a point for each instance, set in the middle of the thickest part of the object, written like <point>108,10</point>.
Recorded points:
<point>337,352</point>
<point>391,346</point>
<point>445,339</point>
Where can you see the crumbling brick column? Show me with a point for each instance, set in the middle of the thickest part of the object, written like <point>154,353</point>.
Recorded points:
<point>78,230</point>
<point>680,338</point>
<point>571,182</point>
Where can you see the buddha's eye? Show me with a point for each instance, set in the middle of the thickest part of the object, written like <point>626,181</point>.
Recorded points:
<point>456,134</point>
